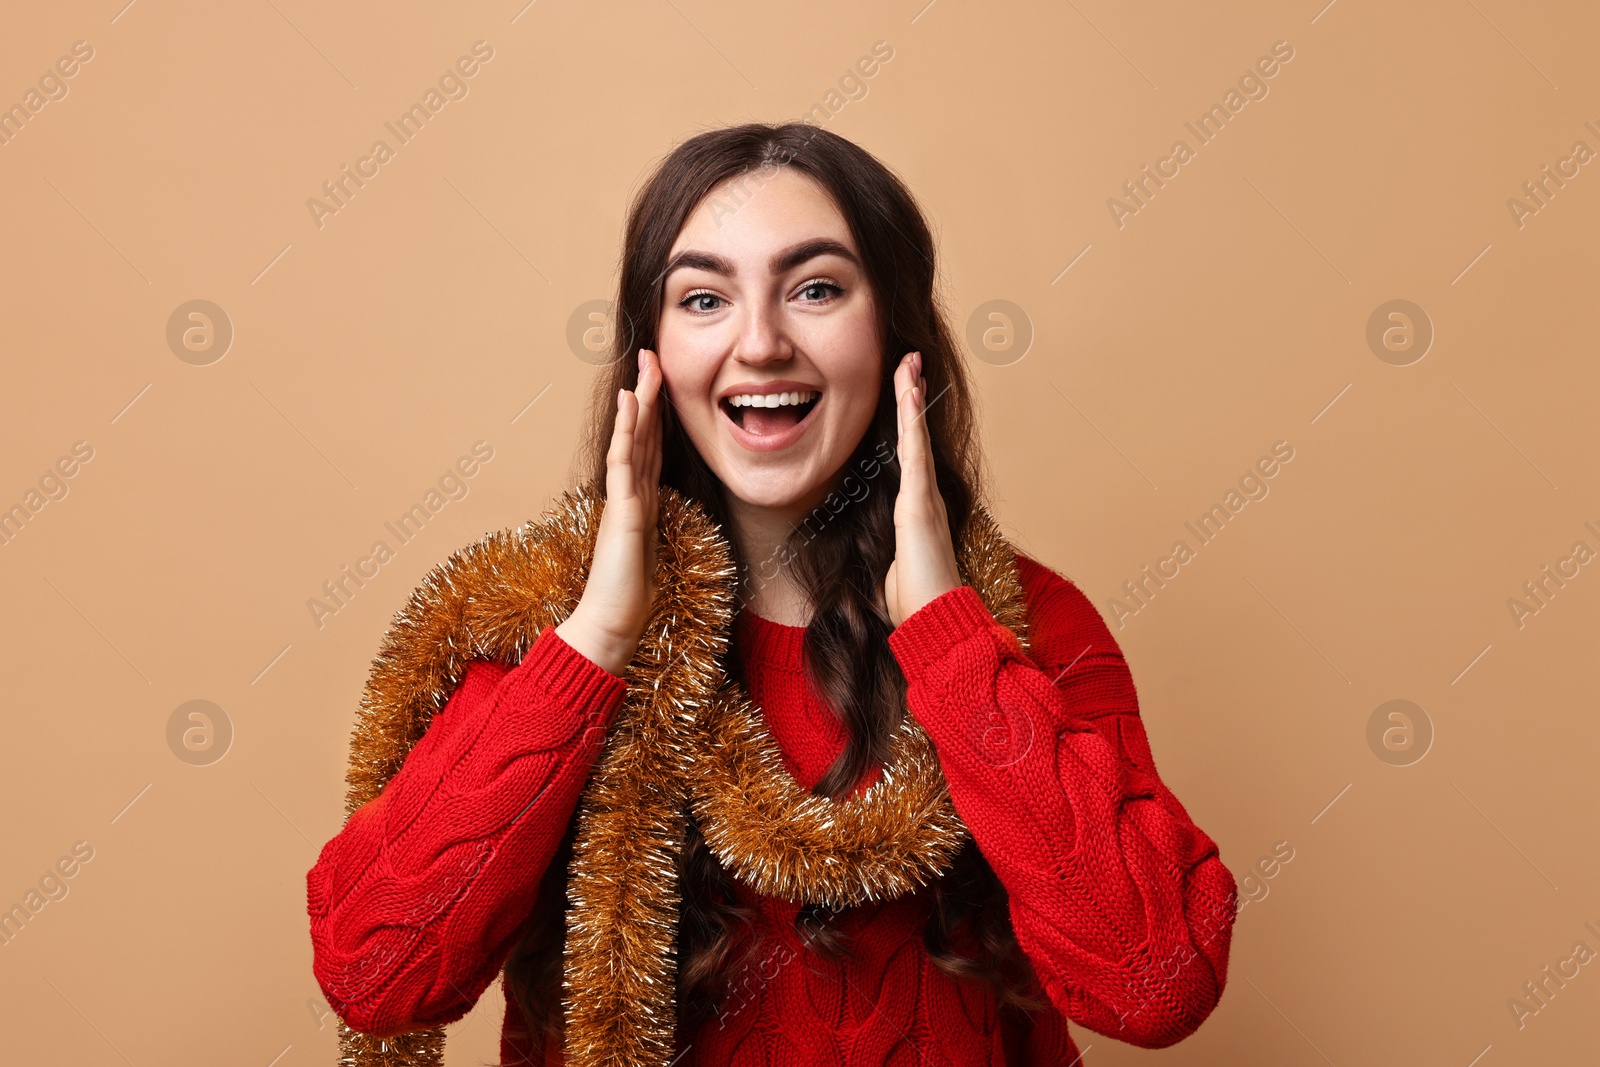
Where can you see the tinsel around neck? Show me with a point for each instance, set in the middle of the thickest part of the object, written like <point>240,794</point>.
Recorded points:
<point>684,740</point>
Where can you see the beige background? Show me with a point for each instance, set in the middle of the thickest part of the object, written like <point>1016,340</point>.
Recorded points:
<point>1227,314</point>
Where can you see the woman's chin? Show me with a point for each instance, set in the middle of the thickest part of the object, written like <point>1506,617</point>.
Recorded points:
<point>778,489</point>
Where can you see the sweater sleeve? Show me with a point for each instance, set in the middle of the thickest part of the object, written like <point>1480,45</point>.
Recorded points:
<point>1118,899</point>
<point>414,903</point>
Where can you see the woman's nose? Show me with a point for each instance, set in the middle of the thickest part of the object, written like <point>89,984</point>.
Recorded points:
<point>762,338</point>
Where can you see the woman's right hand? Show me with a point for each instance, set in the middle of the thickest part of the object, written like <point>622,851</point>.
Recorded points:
<point>620,591</point>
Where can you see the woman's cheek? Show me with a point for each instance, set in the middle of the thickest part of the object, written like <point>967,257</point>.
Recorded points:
<point>690,397</point>
<point>863,406</point>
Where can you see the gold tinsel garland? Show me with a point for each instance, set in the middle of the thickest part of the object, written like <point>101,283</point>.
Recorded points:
<point>685,739</point>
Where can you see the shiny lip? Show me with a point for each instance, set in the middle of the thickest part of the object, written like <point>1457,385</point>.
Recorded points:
<point>765,388</point>
<point>772,442</point>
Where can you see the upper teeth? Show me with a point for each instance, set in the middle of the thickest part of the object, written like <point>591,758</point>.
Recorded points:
<point>772,400</point>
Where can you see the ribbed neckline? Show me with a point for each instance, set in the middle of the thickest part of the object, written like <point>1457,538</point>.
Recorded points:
<point>771,642</point>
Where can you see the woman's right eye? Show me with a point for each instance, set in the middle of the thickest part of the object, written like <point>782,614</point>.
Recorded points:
<point>691,302</point>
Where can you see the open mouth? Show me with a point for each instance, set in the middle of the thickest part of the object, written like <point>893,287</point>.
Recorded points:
<point>772,414</point>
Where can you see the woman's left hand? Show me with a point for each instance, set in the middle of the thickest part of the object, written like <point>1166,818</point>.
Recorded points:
<point>924,564</point>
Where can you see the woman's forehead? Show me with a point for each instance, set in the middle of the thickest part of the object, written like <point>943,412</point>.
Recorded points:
<point>750,219</point>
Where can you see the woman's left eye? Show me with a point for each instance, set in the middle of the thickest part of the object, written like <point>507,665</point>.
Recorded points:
<point>826,288</point>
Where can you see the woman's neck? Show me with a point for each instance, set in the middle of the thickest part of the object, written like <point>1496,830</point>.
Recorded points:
<point>769,588</point>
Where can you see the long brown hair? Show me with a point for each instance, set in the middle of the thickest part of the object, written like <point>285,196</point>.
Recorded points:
<point>840,562</point>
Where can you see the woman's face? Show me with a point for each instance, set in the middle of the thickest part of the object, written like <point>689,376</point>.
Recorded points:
<point>766,302</point>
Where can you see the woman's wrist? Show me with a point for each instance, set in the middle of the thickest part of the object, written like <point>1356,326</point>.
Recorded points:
<point>604,649</point>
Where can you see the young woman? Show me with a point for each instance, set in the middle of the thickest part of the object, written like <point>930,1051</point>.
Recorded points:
<point>783,363</point>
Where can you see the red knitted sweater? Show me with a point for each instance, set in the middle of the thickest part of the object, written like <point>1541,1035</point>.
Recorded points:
<point>1118,899</point>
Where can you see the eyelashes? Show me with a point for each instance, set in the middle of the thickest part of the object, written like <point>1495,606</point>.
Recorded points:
<point>820,283</point>
<point>833,289</point>
<point>699,294</point>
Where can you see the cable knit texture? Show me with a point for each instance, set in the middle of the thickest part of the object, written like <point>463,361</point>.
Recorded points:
<point>1119,901</point>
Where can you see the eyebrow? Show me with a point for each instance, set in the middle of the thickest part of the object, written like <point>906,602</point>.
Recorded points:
<point>780,262</point>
